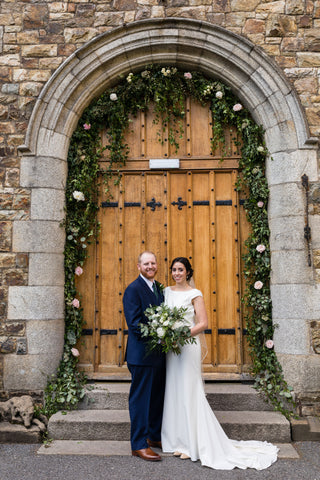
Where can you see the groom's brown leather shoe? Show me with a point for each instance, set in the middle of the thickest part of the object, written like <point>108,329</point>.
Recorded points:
<point>154,444</point>
<point>147,454</point>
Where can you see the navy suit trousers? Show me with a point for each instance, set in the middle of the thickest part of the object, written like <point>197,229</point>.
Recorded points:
<point>146,404</point>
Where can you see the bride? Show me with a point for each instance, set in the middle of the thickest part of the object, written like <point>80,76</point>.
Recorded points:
<point>189,426</point>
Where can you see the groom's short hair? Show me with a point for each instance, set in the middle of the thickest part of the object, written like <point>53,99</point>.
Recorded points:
<point>147,251</point>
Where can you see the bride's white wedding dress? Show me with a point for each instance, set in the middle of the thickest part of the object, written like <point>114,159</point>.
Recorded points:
<point>189,425</point>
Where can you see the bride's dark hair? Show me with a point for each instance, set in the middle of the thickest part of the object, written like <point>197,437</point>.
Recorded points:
<point>186,263</point>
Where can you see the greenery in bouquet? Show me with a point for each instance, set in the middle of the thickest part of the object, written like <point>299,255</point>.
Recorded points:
<point>166,330</point>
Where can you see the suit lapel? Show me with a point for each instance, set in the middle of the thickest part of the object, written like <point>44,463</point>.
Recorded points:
<point>150,292</point>
<point>145,287</point>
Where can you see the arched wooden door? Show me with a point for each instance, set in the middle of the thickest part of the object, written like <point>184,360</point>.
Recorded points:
<point>187,209</point>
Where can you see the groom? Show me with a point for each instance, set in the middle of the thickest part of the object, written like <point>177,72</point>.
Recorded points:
<point>147,370</point>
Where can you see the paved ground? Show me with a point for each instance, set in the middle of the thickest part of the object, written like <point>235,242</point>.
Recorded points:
<point>22,462</point>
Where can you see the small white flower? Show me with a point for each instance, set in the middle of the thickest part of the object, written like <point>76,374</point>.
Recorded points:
<point>260,204</point>
<point>260,248</point>
<point>269,344</point>
<point>237,107</point>
<point>78,196</point>
<point>166,323</point>
<point>129,77</point>
<point>258,285</point>
<point>260,149</point>
<point>177,325</point>
<point>160,332</point>
<point>219,94</point>
<point>113,97</point>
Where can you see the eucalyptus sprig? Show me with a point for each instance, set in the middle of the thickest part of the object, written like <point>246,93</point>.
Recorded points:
<point>166,88</point>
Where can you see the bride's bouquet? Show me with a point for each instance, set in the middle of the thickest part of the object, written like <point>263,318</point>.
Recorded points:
<point>165,329</point>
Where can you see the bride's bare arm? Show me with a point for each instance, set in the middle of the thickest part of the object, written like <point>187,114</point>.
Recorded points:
<point>201,316</point>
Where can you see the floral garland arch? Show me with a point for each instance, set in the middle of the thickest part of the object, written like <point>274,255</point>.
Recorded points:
<point>166,88</point>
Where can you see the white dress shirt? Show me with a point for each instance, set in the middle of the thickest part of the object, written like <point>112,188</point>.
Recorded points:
<point>148,282</point>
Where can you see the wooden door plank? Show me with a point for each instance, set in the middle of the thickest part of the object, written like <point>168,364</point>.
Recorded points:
<point>108,284</point>
<point>201,242</point>
<point>86,289</point>
<point>201,129</point>
<point>156,219</point>
<point>225,251</point>
<point>156,140</point>
<point>177,216</point>
<point>236,269</point>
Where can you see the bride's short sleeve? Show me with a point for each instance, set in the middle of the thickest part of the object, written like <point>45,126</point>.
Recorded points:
<point>195,293</point>
<point>165,293</point>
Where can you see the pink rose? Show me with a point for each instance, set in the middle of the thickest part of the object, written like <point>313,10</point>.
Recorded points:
<point>75,352</point>
<point>258,285</point>
<point>237,107</point>
<point>187,76</point>
<point>269,344</point>
<point>260,248</point>
<point>75,303</point>
<point>78,271</point>
<point>86,126</point>
<point>260,204</point>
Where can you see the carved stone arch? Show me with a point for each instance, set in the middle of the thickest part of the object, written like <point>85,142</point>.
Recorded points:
<point>189,44</point>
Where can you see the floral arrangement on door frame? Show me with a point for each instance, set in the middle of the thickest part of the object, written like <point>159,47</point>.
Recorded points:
<point>166,88</point>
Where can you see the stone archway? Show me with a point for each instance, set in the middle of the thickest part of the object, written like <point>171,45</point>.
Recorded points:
<point>188,44</point>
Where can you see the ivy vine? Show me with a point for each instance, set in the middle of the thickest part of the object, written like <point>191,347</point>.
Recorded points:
<point>166,88</point>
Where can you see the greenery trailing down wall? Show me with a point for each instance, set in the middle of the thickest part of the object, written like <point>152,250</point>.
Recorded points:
<point>166,88</point>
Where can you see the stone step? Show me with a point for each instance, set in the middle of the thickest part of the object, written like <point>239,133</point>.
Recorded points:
<point>115,425</point>
<point>221,396</point>
<point>305,429</point>
<point>107,448</point>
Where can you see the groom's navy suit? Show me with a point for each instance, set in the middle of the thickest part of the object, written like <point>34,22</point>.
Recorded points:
<point>147,370</point>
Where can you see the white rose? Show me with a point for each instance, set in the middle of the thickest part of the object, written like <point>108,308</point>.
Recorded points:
<point>177,325</point>
<point>78,196</point>
<point>160,332</point>
<point>113,97</point>
<point>219,94</point>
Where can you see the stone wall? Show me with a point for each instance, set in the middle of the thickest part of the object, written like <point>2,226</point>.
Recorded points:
<point>37,37</point>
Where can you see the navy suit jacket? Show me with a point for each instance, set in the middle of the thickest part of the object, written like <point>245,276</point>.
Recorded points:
<point>137,297</point>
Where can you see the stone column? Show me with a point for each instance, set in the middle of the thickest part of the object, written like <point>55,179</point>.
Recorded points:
<point>40,304</point>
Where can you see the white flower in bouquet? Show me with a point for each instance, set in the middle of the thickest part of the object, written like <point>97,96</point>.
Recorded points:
<point>177,325</point>
<point>165,330</point>
<point>160,332</point>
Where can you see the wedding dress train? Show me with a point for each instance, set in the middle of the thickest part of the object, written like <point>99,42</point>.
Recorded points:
<point>189,425</point>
